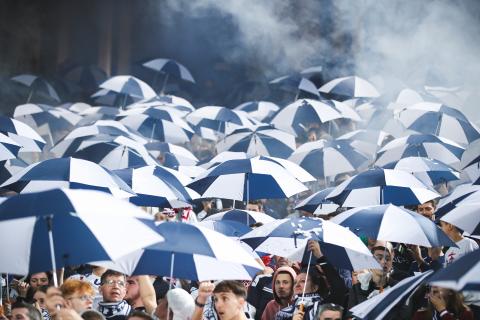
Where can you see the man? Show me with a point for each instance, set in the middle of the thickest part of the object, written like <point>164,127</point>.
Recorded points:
<point>282,287</point>
<point>464,245</point>
<point>229,298</point>
<point>133,294</point>
<point>427,209</point>
<point>25,311</point>
<point>330,311</point>
<point>113,291</point>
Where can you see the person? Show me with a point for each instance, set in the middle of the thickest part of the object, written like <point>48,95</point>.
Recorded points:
<point>256,206</point>
<point>444,304</point>
<point>39,300</point>
<point>229,298</point>
<point>78,294</point>
<point>464,245</point>
<point>25,311</point>
<point>133,294</point>
<point>282,287</point>
<point>92,315</point>
<point>23,290</point>
<point>139,315</point>
<point>94,278</point>
<point>329,311</point>
<point>427,209</point>
<point>113,291</point>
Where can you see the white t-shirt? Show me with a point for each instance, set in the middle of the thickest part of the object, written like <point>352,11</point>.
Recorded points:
<point>465,246</point>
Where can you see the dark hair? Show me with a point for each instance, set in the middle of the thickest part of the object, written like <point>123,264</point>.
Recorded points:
<point>139,314</point>
<point>328,307</point>
<point>109,273</point>
<point>454,304</point>
<point>433,202</point>
<point>92,315</point>
<point>33,313</point>
<point>318,279</point>
<point>236,287</point>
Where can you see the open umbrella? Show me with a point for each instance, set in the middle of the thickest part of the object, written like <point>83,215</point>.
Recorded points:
<point>241,216</point>
<point>173,155</point>
<point>470,162</point>
<point>180,104</point>
<point>449,202</point>
<point>465,216</point>
<point>317,203</point>
<point>8,148</point>
<point>351,87</point>
<point>295,84</point>
<point>128,86</point>
<point>36,84</point>
<point>22,134</point>
<point>229,228</point>
<point>260,110</point>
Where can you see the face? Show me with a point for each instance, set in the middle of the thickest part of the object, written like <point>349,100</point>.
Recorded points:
<point>228,305</point>
<point>281,261</point>
<point>38,279</point>
<point>113,290</point>
<point>133,289</point>
<point>427,210</point>
<point>303,281</point>
<point>20,314</point>
<point>80,301</point>
<point>283,285</point>
<point>39,297</point>
<point>446,227</point>
<point>384,258</point>
<point>253,207</point>
<point>330,315</point>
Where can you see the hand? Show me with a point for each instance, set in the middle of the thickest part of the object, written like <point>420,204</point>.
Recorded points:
<point>205,290</point>
<point>438,301</point>
<point>415,253</point>
<point>54,301</point>
<point>434,253</point>
<point>298,315</point>
<point>314,247</point>
<point>22,288</point>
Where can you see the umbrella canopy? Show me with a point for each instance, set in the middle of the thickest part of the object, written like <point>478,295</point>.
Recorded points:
<point>317,203</point>
<point>106,97</point>
<point>128,86</point>
<point>155,186</point>
<point>300,115</point>
<point>461,275</point>
<point>247,179</point>
<point>439,120</point>
<point>395,224</point>
<point>8,148</point>
<point>465,216</point>
<point>224,156</point>
<point>241,216</point>
<point>10,167</point>
<point>22,134</point>
<point>421,145</point>
<point>296,84</point>
<point>86,76</point>
<point>351,87</point>
<point>366,140</point>
<point>190,252</point>
<point>260,110</point>
<point>262,140</point>
<point>470,162</point>
<point>93,114</point>
<point>36,84</point>
<point>67,173</point>
<point>229,228</point>
<point>324,158</point>
<point>114,153</point>
<point>381,186</point>
<point>461,192</point>
<point>170,67</point>
<point>178,103</point>
<point>430,172</point>
<point>71,226</point>
<point>77,107</point>
<point>172,155</point>
<point>288,238</point>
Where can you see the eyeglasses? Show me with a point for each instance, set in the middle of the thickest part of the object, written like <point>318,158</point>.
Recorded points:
<point>83,298</point>
<point>111,283</point>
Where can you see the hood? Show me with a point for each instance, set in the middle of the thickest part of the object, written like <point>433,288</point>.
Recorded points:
<point>286,270</point>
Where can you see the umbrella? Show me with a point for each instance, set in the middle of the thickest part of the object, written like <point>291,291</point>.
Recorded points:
<point>8,148</point>
<point>67,173</point>
<point>296,84</point>
<point>128,86</point>
<point>300,115</point>
<point>465,215</point>
<point>106,97</point>
<point>116,153</point>
<point>155,186</point>
<point>22,134</point>
<point>36,84</point>
<point>260,110</point>
<point>10,167</point>
<point>69,226</point>
<point>93,114</point>
<point>366,140</point>
<point>224,156</point>
<point>470,162</point>
<point>288,238</point>
<point>352,87</point>
<point>461,275</point>
<point>178,103</point>
<point>317,203</point>
<point>430,172</point>
<point>173,155</point>
<point>421,145</point>
<point>262,140</point>
<point>241,216</point>
<point>439,120</point>
<point>229,228</point>
<point>190,252</point>
<point>86,77</point>
<point>395,224</point>
<point>77,107</point>
<point>169,67</point>
<point>449,202</point>
<point>381,186</point>
<point>324,158</point>
<point>377,307</point>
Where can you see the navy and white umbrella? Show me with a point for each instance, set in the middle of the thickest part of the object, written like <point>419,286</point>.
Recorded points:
<point>77,107</point>
<point>232,229</point>
<point>421,145</point>
<point>247,179</point>
<point>470,162</point>
<point>155,186</point>
<point>324,158</point>
<point>379,306</point>
<point>288,238</point>
<point>367,141</point>
<point>466,215</point>
<point>260,110</point>
<point>190,252</point>
<point>262,140</point>
<point>381,186</point>
<point>180,104</point>
<point>67,173</point>
<point>449,202</point>
<point>48,121</point>
<point>93,114</point>
<point>461,275</point>
<point>245,217</point>
<point>170,68</point>
<point>86,76</point>
<point>128,86</point>
<point>8,148</point>
<point>439,120</point>
<point>350,87</point>
<point>115,153</point>
<point>10,167</point>
<point>298,116</point>
<point>36,84</point>
<point>224,156</point>
<point>430,172</point>
<point>22,134</point>
<point>105,97</point>
<point>395,224</point>
<point>317,203</point>
<point>68,227</point>
<point>172,155</point>
<point>296,84</point>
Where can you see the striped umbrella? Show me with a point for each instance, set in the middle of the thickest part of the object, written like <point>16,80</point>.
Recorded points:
<point>317,203</point>
<point>178,103</point>
<point>449,202</point>
<point>36,84</point>
<point>296,84</point>
<point>8,148</point>
<point>351,87</point>
<point>170,68</point>
<point>172,155</point>
<point>260,110</point>
<point>465,215</point>
<point>461,275</point>
<point>366,140</point>
<point>128,86</point>
<point>241,216</point>
<point>381,186</point>
<point>470,162</point>
<point>22,134</point>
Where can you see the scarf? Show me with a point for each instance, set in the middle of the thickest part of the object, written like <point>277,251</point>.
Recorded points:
<point>311,301</point>
<point>112,309</point>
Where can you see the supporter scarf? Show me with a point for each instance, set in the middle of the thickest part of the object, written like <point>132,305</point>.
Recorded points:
<point>309,301</point>
<point>112,309</point>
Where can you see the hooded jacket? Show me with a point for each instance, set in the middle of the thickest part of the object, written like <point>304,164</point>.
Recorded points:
<point>275,305</point>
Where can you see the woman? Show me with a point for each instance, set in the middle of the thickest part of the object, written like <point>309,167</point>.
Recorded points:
<point>78,295</point>
<point>444,304</point>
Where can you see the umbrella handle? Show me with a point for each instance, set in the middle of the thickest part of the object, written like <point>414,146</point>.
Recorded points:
<point>52,250</point>
<point>305,285</point>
